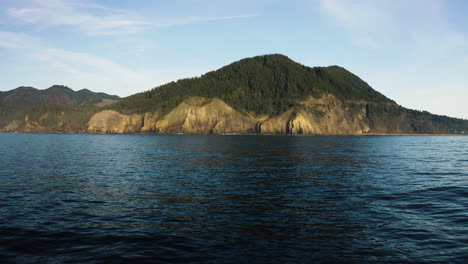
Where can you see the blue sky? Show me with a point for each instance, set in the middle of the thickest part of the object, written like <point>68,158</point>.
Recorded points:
<point>415,52</point>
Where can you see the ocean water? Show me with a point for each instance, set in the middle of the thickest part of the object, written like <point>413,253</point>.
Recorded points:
<point>78,198</point>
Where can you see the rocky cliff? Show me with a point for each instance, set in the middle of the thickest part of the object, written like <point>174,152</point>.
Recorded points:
<point>199,115</point>
<point>109,121</point>
<point>196,115</point>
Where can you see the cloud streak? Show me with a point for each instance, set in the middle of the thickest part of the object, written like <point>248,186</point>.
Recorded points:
<point>373,23</point>
<point>89,19</point>
<point>14,40</point>
<point>427,53</point>
<point>94,19</point>
<point>76,69</point>
<point>363,19</point>
<point>356,14</point>
<point>194,20</point>
<point>48,66</point>
<point>82,69</point>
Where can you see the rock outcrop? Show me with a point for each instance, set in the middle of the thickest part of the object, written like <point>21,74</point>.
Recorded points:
<point>326,115</point>
<point>13,126</point>
<point>199,115</point>
<point>110,121</point>
<point>149,123</point>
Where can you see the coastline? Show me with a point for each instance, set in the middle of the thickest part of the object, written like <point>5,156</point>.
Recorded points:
<point>230,134</point>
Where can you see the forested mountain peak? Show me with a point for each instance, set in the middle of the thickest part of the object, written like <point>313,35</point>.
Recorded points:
<point>57,87</point>
<point>268,84</point>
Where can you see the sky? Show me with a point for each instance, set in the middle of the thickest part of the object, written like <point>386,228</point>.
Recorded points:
<point>414,52</point>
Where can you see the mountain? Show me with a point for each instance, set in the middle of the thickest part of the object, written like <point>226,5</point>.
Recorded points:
<point>23,107</point>
<point>57,94</point>
<point>268,85</point>
<point>268,94</point>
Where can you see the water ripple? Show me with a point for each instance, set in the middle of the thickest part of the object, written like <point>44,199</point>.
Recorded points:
<point>143,198</point>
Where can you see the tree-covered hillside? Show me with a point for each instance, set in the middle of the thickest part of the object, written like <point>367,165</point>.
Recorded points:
<point>269,85</point>
<point>57,94</point>
<point>50,104</point>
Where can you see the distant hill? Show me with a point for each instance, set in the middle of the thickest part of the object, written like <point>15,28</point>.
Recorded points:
<point>24,106</point>
<point>268,94</point>
<point>57,94</point>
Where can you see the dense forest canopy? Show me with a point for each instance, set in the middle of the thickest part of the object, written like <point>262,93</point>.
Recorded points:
<point>269,85</point>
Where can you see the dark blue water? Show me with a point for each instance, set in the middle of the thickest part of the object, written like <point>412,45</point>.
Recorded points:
<point>233,199</point>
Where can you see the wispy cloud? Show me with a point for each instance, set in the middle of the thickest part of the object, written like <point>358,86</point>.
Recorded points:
<point>88,18</point>
<point>17,40</point>
<point>83,70</point>
<point>419,25</point>
<point>86,69</point>
<point>94,19</point>
<point>93,71</point>
<point>356,14</point>
<point>363,19</point>
<point>193,20</point>
<point>377,22</point>
<point>419,45</point>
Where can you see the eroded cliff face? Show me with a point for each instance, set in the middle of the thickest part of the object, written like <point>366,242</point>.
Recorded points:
<point>326,115</point>
<point>198,115</point>
<point>149,123</point>
<point>110,121</point>
<point>12,126</point>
